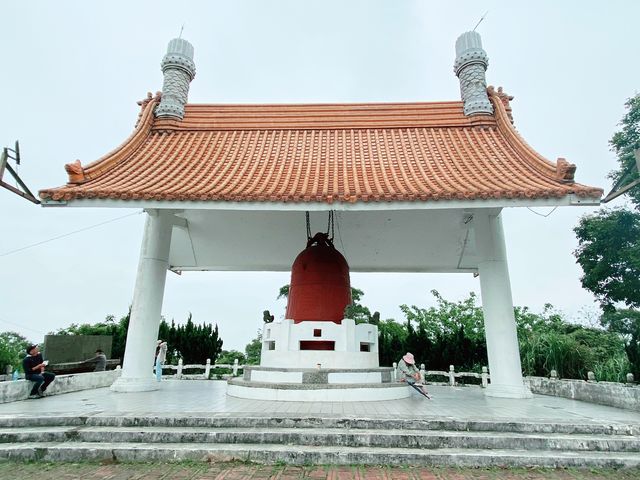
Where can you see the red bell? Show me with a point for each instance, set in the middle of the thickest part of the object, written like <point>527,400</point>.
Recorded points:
<point>320,288</point>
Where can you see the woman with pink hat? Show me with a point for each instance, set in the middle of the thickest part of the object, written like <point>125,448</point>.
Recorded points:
<point>409,373</point>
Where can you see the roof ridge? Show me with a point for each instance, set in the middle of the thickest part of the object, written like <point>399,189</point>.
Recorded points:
<point>502,112</point>
<point>80,174</point>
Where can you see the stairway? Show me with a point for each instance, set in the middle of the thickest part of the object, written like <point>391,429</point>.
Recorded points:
<point>337,440</point>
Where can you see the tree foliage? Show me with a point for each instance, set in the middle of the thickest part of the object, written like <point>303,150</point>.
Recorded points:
<point>609,254</point>
<point>12,350</point>
<point>624,143</point>
<point>452,332</point>
<point>609,240</point>
<point>626,323</point>
<point>117,330</point>
<point>609,246</point>
<point>193,343</point>
<point>253,350</point>
<point>228,357</point>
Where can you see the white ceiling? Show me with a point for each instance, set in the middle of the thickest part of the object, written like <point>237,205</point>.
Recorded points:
<point>371,241</point>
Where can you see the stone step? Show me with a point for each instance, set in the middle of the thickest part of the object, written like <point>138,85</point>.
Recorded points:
<point>336,421</point>
<point>430,439</point>
<point>316,455</point>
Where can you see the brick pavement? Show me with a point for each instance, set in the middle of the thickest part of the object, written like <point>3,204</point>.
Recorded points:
<point>237,471</point>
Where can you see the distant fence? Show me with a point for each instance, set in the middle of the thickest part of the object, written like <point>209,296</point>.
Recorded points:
<point>450,376</point>
<point>207,368</point>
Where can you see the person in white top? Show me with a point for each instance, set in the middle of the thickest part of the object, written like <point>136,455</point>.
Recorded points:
<point>161,356</point>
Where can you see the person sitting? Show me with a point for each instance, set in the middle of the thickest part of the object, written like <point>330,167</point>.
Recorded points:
<point>409,373</point>
<point>34,366</point>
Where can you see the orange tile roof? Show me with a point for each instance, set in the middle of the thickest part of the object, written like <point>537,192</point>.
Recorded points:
<point>323,153</point>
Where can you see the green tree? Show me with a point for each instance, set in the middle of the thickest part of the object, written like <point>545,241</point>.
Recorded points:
<point>624,143</point>
<point>549,342</point>
<point>253,350</point>
<point>626,323</point>
<point>12,350</point>
<point>447,333</point>
<point>392,341</point>
<point>117,330</point>
<point>609,245</point>
<point>227,357</point>
<point>609,254</point>
<point>193,343</point>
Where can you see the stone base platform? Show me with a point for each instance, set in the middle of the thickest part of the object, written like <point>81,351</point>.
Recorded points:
<point>299,392</point>
<point>317,385</point>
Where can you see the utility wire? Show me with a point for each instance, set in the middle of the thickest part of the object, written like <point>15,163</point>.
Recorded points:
<point>21,326</point>
<point>11,252</point>
<point>542,214</point>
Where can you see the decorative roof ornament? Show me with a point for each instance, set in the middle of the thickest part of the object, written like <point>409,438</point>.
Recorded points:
<point>178,69</point>
<point>565,171</point>
<point>470,66</point>
<point>146,101</point>
<point>75,171</point>
<point>504,98</point>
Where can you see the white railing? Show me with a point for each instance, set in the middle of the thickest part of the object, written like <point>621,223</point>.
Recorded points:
<point>179,369</point>
<point>451,375</point>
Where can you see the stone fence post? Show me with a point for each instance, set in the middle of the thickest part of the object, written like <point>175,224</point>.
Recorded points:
<point>179,372</point>
<point>207,369</point>
<point>394,372</point>
<point>452,376</point>
<point>485,377</point>
<point>423,372</point>
<point>235,368</point>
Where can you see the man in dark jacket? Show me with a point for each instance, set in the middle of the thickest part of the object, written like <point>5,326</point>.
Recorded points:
<point>34,366</point>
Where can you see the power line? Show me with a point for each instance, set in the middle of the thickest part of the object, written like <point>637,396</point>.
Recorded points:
<point>11,252</point>
<point>542,214</point>
<point>21,326</point>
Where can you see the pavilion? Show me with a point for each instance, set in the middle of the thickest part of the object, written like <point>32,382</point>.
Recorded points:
<point>416,187</point>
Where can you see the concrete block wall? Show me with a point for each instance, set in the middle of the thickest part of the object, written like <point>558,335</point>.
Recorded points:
<point>19,390</point>
<point>619,395</point>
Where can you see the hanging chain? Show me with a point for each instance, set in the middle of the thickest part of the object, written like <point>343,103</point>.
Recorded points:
<point>330,225</point>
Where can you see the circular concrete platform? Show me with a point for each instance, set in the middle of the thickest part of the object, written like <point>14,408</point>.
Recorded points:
<point>314,392</point>
<point>317,384</point>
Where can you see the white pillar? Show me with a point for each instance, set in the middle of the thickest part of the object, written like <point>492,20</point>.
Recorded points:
<point>137,371</point>
<point>497,304</point>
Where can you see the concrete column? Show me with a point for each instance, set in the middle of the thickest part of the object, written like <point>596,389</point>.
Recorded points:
<point>137,371</point>
<point>497,304</point>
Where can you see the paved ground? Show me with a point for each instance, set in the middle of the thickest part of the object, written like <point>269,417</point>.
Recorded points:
<point>14,471</point>
<point>209,398</point>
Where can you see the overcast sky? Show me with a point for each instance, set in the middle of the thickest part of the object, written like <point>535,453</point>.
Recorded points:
<point>73,71</point>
